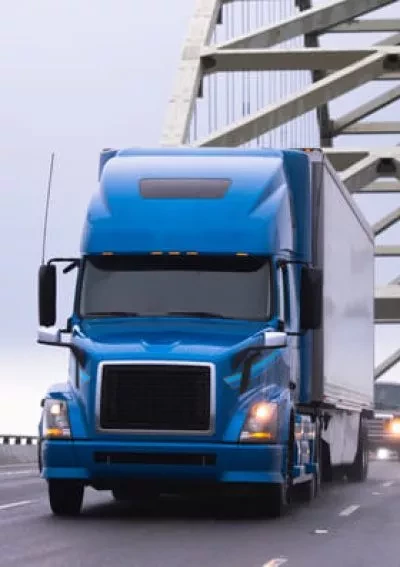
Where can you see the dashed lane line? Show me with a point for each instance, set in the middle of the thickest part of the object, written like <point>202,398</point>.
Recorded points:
<point>16,466</point>
<point>349,510</point>
<point>15,504</point>
<point>16,473</point>
<point>276,562</point>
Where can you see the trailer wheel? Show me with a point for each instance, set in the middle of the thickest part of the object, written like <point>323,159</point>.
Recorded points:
<point>358,471</point>
<point>65,497</point>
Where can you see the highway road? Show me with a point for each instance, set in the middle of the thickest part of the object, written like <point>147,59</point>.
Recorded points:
<point>347,525</point>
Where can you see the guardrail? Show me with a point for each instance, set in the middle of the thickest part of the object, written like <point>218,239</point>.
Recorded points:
<point>18,449</point>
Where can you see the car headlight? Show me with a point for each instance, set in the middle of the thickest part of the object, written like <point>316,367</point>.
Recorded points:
<point>55,419</point>
<point>394,427</point>
<point>261,423</point>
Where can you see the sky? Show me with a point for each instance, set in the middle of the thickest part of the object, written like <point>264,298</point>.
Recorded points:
<point>76,77</point>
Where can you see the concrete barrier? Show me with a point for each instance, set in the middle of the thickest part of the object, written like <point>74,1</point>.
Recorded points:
<point>18,449</point>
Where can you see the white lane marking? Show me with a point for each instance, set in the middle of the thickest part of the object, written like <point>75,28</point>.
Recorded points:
<point>319,532</point>
<point>16,466</point>
<point>276,562</point>
<point>349,510</point>
<point>377,493</point>
<point>387,484</point>
<point>15,504</point>
<point>14,473</point>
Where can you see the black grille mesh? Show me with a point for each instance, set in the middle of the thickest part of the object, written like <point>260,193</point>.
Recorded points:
<point>155,397</point>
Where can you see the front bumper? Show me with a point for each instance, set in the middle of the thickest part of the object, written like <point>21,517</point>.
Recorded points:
<point>93,462</point>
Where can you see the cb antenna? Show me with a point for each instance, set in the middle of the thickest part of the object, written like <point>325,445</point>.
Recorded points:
<point>46,214</point>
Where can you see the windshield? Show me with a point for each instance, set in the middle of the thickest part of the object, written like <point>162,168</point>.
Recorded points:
<point>387,396</point>
<point>232,287</point>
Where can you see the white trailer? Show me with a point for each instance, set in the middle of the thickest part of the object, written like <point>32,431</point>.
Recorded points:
<point>342,382</point>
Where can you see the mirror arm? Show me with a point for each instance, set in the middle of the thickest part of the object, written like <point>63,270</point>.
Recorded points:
<point>78,352</point>
<point>63,260</point>
<point>249,356</point>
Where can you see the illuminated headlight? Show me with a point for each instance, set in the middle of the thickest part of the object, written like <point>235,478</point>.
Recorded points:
<point>382,454</point>
<point>261,423</point>
<point>55,419</point>
<point>394,427</point>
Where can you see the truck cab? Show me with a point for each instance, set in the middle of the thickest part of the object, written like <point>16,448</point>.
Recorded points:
<point>384,429</point>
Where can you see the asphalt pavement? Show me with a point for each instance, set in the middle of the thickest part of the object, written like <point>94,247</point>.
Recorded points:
<point>350,525</point>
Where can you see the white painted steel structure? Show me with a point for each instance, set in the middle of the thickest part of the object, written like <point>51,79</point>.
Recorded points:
<point>253,73</point>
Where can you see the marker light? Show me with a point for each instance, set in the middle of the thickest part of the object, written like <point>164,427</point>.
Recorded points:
<point>55,419</point>
<point>261,423</point>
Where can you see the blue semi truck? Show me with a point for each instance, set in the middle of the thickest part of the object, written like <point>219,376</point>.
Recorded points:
<point>221,336</point>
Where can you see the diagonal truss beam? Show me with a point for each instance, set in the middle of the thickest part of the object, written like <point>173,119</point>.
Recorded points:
<point>387,251</point>
<point>374,128</point>
<point>388,364</point>
<point>326,89</point>
<point>371,26</point>
<point>386,222</point>
<point>392,40</point>
<point>366,109</point>
<point>382,187</point>
<point>318,19</point>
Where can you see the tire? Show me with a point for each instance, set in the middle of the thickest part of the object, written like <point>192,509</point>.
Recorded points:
<point>65,497</point>
<point>358,471</point>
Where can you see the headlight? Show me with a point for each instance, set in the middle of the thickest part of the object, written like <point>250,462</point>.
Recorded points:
<point>394,427</point>
<point>55,419</point>
<point>261,423</point>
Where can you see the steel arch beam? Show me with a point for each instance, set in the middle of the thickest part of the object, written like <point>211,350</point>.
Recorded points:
<point>189,77</point>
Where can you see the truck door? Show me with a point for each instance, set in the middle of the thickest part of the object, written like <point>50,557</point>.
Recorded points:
<point>289,316</point>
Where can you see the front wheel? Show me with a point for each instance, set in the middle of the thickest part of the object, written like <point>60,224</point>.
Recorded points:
<point>280,496</point>
<point>65,497</point>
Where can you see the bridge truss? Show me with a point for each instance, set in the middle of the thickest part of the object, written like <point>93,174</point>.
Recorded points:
<point>255,73</point>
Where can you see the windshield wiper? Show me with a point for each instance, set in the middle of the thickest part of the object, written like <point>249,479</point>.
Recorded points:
<point>204,314</point>
<point>111,314</point>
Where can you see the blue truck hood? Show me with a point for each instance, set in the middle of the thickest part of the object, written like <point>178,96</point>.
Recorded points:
<point>157,338</point>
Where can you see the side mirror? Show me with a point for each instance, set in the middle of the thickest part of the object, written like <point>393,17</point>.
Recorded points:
<point>275,339</point>
<point>311,299</point>
<point>47,295</point>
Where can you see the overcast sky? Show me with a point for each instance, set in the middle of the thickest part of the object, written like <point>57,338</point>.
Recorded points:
<point>76,76</point>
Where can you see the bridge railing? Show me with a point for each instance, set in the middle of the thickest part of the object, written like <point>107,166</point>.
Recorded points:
<point>18,449</point>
